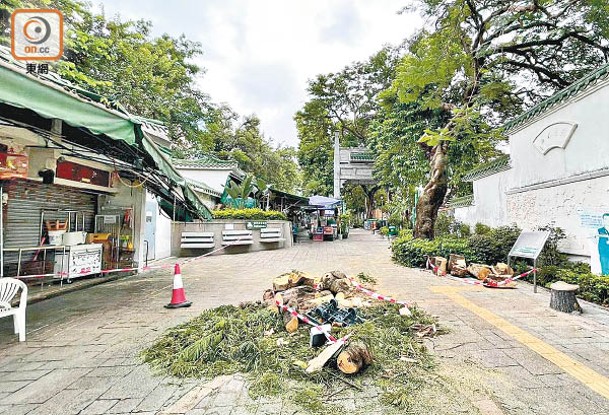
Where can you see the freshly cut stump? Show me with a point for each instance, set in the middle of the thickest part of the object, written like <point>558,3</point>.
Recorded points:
<point>354,358</point>
<point>563,297</point>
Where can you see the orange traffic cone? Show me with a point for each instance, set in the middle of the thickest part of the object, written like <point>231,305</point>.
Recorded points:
<point>178,296</point>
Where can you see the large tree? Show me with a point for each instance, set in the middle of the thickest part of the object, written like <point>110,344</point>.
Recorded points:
<point>485,61</point>
<point>148,76</point>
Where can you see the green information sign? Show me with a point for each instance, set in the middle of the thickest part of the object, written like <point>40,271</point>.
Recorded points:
<point>256,224</point>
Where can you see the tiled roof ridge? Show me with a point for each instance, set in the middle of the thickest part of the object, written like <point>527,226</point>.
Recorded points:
<point>574,89</point>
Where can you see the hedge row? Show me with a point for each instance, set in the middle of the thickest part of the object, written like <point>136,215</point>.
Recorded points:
<point>493,245</point>
<point>489,248</point>
<point>252,214</point>
<point>592,287</point>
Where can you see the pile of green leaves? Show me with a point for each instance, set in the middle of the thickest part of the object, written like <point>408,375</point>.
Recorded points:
<point>251,214</point>
<point>251,340</point>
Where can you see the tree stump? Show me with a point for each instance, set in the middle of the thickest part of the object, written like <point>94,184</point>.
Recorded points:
<point>563,297</point>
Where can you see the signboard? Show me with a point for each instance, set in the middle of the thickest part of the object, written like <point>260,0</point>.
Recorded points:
<point>85,260</point>
<point>256,224</point>
<point>529,244</point>
<point>329,212</point>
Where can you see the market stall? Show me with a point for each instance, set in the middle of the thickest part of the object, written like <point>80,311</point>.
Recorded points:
<point>323,215</point>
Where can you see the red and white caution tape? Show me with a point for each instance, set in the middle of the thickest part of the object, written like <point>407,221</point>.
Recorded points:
<point>308,321</point>
<point>376,295</point>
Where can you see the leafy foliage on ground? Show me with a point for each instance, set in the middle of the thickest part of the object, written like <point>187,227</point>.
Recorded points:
<point>253,213</point>
<point>252,340</point>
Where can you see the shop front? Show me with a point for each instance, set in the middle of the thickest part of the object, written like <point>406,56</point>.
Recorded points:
<point>323,216</point>
<point>75,172</point>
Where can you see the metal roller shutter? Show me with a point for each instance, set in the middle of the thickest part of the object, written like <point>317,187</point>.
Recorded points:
<point>27,200</point>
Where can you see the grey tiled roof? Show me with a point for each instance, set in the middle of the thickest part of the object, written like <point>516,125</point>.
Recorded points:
<point>500,164</point>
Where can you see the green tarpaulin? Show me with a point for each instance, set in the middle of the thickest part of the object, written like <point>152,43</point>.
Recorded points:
<point>172,174</point>
<point>51,100</point>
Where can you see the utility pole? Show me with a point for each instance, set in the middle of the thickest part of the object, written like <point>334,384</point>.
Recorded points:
<point>336,166</point>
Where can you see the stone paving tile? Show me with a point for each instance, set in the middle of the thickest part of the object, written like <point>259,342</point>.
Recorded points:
<point>10,386</point>
<point>46,387</point>
<point>91,339</point>
<point>68,402</point>
<point>125,406</point>
<point>18,409</point>
<point>137,384</point>
<point>99,407</point>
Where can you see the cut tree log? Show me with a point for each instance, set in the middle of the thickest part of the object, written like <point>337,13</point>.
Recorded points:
<point>336,282</point>
<point>354,358</point>
<point>316,364</point>
<point>290,322</point>
<point>269,299</point>
<point>455,260</point>
<point>475,269</point>
<point>563,297</point>
<point>440,264</point>
<point>503,269</point>
<point>287,280</point>
<point>305,297</point>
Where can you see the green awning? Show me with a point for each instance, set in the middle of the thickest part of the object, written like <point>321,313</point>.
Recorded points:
<point>165,166</point>
<point>52,101</point>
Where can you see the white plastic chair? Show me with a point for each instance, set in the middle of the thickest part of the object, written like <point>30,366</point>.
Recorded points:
<point>8,290</point>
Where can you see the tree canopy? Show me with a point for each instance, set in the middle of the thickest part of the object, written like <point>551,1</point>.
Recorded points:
<point>430,111</point>
<point>155,77</point>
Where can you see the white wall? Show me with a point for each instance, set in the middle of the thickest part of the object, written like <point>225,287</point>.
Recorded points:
<point>489,201</point>
<point>554,187</point>
<point>216,179</point>
<point>560,205</point>
<point>587,150</point>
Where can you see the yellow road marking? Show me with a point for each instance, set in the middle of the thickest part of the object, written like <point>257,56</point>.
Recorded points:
<point>581,372</point>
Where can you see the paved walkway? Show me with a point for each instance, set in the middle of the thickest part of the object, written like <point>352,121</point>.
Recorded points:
<point>507,352</point>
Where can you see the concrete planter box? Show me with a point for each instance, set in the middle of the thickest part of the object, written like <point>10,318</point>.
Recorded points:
<point>217,226</point>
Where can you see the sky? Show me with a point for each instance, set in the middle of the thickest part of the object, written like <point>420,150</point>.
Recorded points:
<point>259,54</point>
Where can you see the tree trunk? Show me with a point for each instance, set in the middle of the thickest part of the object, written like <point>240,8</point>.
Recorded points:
<point>369,201</point>
<point>433,195</point>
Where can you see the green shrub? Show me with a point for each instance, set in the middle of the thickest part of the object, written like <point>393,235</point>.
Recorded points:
<point>447,225</point>
<point>494,246</point>
<point>464,230</point>
<point>550,255</point>
<point>414,252</point>
<point>384,231</point>
<point>482,229</point>
<point>593,288</point>
<point>251,214</point>
<point>443,225</point>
